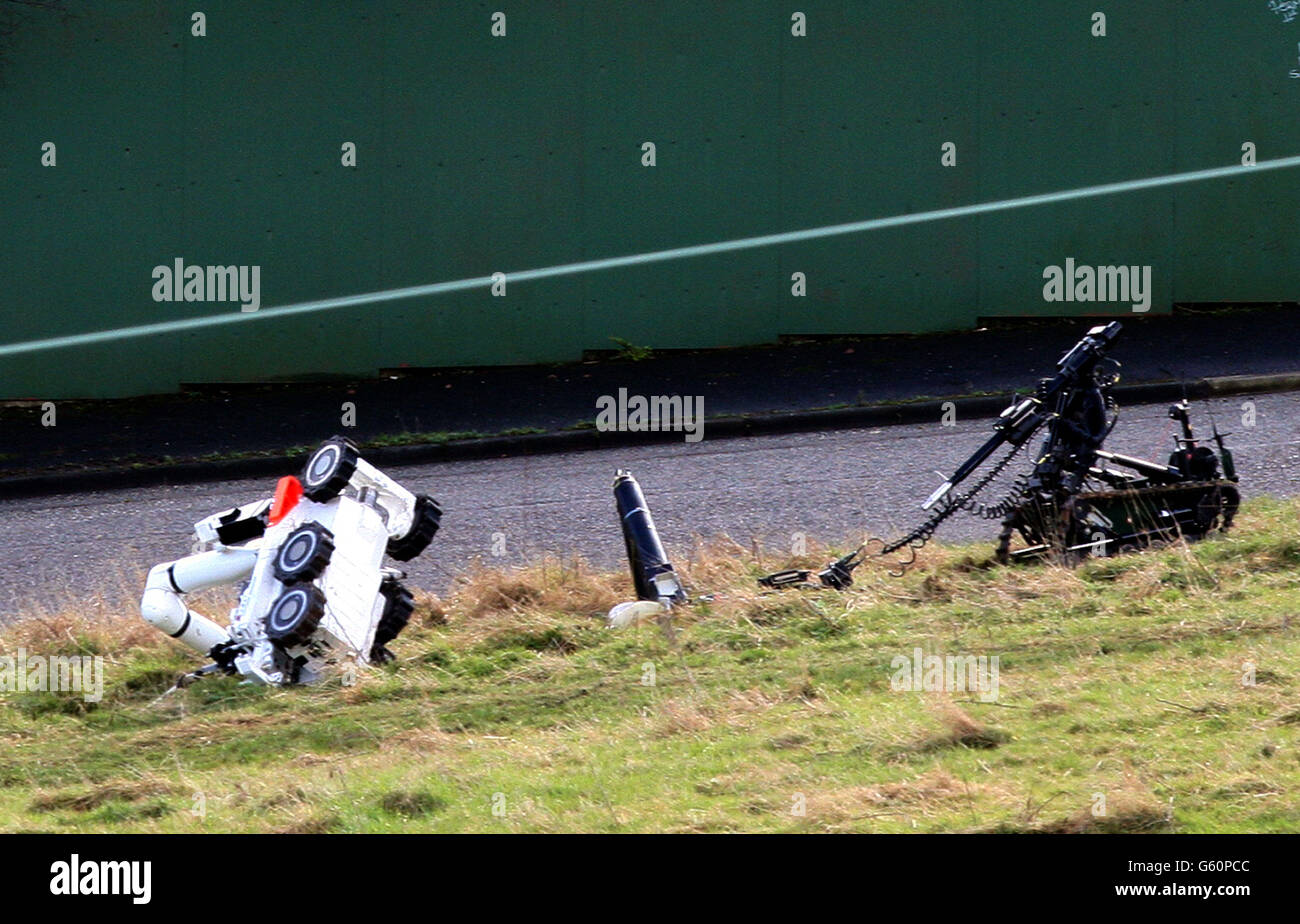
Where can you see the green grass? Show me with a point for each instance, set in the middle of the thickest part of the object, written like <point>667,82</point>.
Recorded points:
<point>511,708</point>
<point>630,351</point>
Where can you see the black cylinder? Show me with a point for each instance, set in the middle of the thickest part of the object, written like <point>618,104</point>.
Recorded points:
<point>645,553</point>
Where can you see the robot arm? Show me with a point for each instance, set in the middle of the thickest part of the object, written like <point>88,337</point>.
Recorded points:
<point>221,562</point>
<point>163,607</point>
<point>1019,421</point>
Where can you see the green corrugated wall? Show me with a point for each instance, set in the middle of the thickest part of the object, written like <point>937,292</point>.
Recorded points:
<point>479,153</point>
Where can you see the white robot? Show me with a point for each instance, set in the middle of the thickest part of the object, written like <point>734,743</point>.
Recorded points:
<point>317,593</point>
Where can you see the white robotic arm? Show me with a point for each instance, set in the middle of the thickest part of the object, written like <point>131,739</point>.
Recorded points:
<point>163,608</point>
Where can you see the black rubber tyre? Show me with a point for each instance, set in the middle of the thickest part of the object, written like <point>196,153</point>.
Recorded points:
<point>295,615</point>
<point>398,607</point>
<point>428,516</point>
<point>329,469</point>
<point>1231,501</point>
<point>304,554</point>
<point>1217,508</point>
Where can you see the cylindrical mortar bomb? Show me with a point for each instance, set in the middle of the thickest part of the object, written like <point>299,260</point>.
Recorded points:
<point>652,573</point>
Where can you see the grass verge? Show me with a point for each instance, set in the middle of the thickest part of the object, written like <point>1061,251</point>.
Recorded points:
<point>1146,693</point>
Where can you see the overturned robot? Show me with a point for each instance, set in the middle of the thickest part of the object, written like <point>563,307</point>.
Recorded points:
<point>1076,499</point>
<point>316,594</point>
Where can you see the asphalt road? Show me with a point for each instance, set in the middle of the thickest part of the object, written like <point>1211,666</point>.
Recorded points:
<point>825,485</point>
<point>793,376</point>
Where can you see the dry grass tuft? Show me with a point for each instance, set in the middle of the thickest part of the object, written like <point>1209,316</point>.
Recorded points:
<point>720,561</point>
<point>98,624</point>
<point>104,621</point>
<point>961,730</point>
<point>430,610</point>
<point>928,794</point>
<point>1129,807</point>
<point>86,800</point>
<point>313,824</point>
<point>551,584</point>
<point>1126,813</point>
<point>294,795</point>
<point>423,740</point>
<point>690,715</point>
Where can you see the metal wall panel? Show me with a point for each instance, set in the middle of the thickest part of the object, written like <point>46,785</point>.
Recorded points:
<point>478,154</point>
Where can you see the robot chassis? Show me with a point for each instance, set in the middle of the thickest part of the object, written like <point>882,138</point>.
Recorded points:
<point>1072,503</point>
<point>316,594</point>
